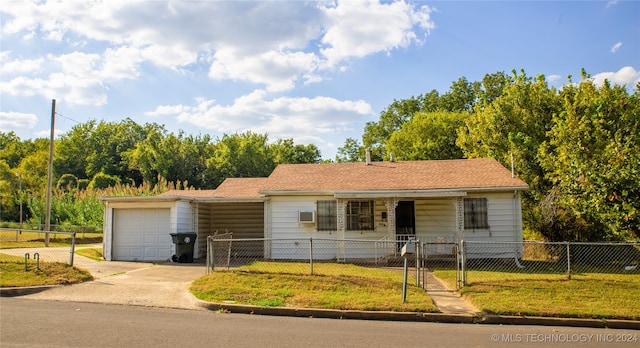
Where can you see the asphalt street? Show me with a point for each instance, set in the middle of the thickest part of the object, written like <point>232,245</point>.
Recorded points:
<point>47,323</point>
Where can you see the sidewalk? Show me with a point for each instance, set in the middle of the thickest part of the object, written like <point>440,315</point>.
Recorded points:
<point>448,301</point>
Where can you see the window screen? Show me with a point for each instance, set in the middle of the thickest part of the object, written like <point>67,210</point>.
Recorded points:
<point>360,215</point>
<point>327,219</point>
<point>475,213</point>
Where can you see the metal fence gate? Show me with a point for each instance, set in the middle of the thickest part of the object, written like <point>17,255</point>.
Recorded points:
<point>444,256</point>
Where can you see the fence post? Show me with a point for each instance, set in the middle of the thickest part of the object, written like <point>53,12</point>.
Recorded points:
<point>417,248</point>
<point>404,281</point>
<point>568,261</point>
<point>73,248</point>
<point>311,255</point>
<point>463,261</point>
<point>208,259</point>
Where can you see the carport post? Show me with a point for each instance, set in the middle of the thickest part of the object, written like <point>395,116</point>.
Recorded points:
<point>73,248</point>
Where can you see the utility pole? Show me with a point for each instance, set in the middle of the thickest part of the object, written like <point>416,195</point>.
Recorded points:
<point>47,222</point>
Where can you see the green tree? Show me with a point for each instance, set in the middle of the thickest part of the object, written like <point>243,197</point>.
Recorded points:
<point>67,181</point>
<point>376,134</point>
<point>177,158</point>
<point>593,159</point>
<point>8,193</point>
<point>110,142</point>
<point>516,122</point>
<point>243,155</point>
<point>102,181</point>
<point>34,170</point>
<point>351,151</point>
<point>428,136</point>
<point>285,151</point>
<point>460,97</point>
<point>72,150</point>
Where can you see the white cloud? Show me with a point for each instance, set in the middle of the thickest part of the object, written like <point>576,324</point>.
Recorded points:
<point>627,76</point>
<point>277,70</point>
<point>612,3</point>
<point>74,77</point>
<point>361,28</point>
<point>20,66</point>
<point>164,110</point>
<point>280,117</point>
<point>553,78</point>
<point>12,121</point>
<point>270,43</point>
<point>616,47</point>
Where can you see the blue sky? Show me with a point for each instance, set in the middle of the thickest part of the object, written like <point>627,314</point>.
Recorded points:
<point>313,71</point>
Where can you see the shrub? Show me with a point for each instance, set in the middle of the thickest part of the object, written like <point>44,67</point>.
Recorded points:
<point>102,181</point>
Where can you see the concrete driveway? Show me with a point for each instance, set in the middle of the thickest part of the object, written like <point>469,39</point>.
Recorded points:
<point>131,283</point>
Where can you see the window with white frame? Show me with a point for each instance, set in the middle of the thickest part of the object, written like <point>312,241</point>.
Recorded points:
<point>475,214</point>
<point>327,215</point>
<point>360,215</point>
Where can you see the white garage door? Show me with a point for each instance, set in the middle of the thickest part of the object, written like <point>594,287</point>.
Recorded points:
<point>141,235</point>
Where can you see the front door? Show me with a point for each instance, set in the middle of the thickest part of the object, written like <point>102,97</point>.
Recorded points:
<point>405,220</point>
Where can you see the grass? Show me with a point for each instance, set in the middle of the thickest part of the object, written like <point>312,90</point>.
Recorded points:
<point>333,286</point>
<point>585,295</point>
<point>24,239</point>
<point>92,253</point>
<point>12,273</point>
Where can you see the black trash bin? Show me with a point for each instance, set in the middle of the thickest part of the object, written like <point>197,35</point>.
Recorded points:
<point>185,242</point>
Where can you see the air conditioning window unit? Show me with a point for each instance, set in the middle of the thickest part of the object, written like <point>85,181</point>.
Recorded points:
<point>307,217</point>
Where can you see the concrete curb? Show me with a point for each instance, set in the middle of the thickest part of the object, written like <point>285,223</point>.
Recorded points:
<point>25,290</point>
<point>422,317</point>
<point>339,314</point>
<point>552,321</point>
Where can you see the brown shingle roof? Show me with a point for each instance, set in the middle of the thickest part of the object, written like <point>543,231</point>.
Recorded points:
<point>230,188</point>
<point>188,193</point>
<point>239,187</point>
<point>482,173</point>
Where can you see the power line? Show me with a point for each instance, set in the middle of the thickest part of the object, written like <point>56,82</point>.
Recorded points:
<point>68,118</point>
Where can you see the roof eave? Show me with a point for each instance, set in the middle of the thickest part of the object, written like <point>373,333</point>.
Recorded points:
<point>229,199</point>
<point>445,192</point>
<point>143,199</point>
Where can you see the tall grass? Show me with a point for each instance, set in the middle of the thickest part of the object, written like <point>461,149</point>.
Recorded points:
<point>82,207</point>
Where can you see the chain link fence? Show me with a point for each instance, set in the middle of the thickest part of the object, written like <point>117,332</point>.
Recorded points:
<point>82,232</point>
<point>465,262</point>
<point>302,255</point>
<point>489,261</point>
<point>24,244</point>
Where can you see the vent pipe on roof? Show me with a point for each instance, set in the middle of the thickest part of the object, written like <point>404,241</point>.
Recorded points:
<point>513,173</point>
<point>368,154</point>
<point>391,159</point>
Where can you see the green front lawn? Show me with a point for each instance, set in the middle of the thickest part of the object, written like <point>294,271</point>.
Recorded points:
<point>13,273</point>
<point>585,295</point>
<point>333,286</point>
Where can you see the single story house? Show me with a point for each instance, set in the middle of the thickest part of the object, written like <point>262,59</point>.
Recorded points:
<point>433,201</point>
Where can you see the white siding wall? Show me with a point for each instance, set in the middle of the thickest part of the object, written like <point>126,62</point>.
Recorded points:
<point>284,224</point>
<point>284,217</point>
<point>182,221</point>
<point>504,225</point>
<point>184,217</point>
<point>436,220</point>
